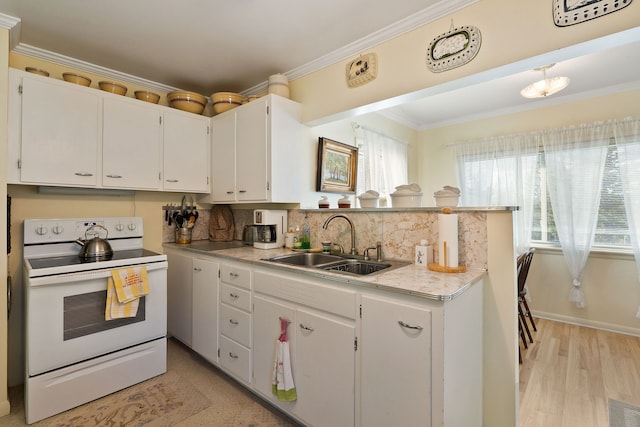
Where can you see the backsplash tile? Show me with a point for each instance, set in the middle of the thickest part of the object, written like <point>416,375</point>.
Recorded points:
<point>399,231</point>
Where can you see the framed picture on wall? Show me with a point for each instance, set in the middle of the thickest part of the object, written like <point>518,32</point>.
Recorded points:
<point>337,167</point>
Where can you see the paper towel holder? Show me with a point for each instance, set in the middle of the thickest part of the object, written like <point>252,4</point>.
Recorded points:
<point>444,269</point>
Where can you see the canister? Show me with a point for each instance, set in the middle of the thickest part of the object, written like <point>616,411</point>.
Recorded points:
<point>279,85</point>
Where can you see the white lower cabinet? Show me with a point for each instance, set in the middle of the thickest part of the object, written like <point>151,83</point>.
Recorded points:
<point>395,364</point>
<point>204,336</point>
<point>360,356</point>
<point>180,296</point>
<point>235,320</point>
<point>322,346</point>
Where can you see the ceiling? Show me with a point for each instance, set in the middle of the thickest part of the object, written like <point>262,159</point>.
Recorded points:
<point>208,46</point>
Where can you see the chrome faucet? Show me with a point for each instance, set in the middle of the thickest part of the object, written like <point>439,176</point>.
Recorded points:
<point>354,251</point>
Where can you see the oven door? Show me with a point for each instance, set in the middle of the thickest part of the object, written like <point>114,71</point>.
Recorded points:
<point>65,318</point>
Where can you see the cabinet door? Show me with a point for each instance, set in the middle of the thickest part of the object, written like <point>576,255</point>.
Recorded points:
<point>131,133</point>
<point>251,151</point>
<point>325,373</point>
<point>59,134</point>
<point>179,297</point>
<point>395,364</point>
<point>186,152</point>
<point>223,158</point>
<point>205,309</point>
<point>266,330</point>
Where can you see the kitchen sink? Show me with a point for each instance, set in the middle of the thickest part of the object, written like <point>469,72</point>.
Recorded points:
<point>305,259</point>
<point>356,266</point>
<point>335,263</point>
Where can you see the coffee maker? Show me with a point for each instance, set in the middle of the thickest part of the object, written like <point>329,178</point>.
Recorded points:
<point>272,226</point>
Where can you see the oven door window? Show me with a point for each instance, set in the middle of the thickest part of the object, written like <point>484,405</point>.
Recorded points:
<point>84,315</point>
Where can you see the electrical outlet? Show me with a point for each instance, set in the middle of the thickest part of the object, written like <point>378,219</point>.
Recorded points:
<point>362,70</point>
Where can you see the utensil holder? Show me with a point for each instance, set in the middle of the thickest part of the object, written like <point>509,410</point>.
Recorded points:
<point>183,236</point>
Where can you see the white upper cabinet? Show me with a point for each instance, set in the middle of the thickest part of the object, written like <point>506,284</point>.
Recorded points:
<point>186,152</point>
<point>131,150</point>
<point>62,134</point>
<point>59,133</point>
<point>223,158</point>
<point>260,153</point>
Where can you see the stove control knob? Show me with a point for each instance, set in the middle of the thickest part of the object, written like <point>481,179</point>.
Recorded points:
<point>132,226</point>
<point>42,230</point>
<point>58,229</point>
<point>119,227</point>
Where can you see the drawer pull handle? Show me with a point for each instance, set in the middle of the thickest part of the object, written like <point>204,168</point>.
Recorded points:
<point>408,326</point>
<point>232,274</point>
<point>114,176</point>
<point>233,355</point>
<point>234,296</point>
<point>234,322</point>
<point>306,328</point>
<point>197,269</point>
<point>229,192</point>
<point>243,191</point>
<point>172,180</point>
<point>83,174</point>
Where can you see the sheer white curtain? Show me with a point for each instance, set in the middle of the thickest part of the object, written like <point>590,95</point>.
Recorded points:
<point>383,161</point>
<point>575,159</point>
<point>627,137</point>
<point>500,172</point>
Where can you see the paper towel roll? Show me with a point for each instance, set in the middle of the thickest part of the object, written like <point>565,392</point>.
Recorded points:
<point>448,233</point>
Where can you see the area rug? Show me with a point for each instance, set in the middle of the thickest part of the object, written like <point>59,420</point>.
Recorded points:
<point>623,415</point>
<point>161,401</point>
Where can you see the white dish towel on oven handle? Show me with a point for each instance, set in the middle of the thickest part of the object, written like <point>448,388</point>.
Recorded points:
<point>283,386</point>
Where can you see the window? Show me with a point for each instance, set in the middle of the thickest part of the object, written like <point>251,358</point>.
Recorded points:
<point>612,229</point>
<point>382,162</point>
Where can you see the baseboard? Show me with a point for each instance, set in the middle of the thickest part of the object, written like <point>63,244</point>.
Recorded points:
<point>587,323</point>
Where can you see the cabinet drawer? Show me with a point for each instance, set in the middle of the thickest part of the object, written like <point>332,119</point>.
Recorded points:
<point>235,275</point>
<point>235,324</point>
<point>307,292</point>
<point>235,358</point>
<point>235,297</point>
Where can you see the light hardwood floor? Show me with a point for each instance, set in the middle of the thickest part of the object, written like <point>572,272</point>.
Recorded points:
<point>570,372</point>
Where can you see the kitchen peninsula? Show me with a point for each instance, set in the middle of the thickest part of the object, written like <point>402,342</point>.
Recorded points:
<point>345,329</point>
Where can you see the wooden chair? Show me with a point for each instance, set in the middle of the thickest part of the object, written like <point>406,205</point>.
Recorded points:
<point>523,264</point>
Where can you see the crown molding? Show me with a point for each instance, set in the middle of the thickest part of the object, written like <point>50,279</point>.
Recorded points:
<point>13,25</point>
<point>429,14</point>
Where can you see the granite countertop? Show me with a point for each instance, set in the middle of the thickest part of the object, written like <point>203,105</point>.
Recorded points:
<point>408,279</point>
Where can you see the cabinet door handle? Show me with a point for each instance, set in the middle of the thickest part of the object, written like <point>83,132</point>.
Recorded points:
<point>306,328</point>
<point>234,322</point>
<point>172,180</point>
<point>233,355</point>
<point>243,191</point>
<point>232,274</point>
<point>83,174</point>
<point>229,192</point>
<point>114,176</point>
<point>408,326</point>
<point>197,269</point>
<point>234,296</point>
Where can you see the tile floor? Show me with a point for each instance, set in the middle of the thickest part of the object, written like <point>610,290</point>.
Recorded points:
<point>232,405</point>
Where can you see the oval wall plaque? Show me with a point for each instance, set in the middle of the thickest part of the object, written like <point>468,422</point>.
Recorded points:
<point>453,48</point>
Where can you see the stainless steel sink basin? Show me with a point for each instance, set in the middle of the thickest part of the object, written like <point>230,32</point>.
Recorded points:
<point>356,266</point>
<point>336,263</point>
<point>306,259</point>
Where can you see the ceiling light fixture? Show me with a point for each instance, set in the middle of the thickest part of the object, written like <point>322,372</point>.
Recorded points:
<point>545,87</point>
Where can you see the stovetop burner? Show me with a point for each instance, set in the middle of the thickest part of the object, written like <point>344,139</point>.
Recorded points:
<point>67,260</point>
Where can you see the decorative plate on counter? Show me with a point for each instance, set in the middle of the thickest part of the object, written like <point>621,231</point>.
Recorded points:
<point>454,48</point>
